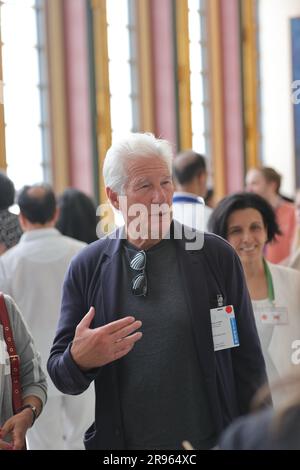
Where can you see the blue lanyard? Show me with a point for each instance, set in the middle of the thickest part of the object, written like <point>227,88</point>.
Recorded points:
<point>187,199</point>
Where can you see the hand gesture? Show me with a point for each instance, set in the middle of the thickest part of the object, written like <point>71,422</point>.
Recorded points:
<point>15,428</point>
<point>100,346</point>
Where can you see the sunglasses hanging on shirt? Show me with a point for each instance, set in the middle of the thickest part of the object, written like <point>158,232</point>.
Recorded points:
<point>139,285</point>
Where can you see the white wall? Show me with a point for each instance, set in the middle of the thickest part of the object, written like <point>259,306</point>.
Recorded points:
<point>276,79</point>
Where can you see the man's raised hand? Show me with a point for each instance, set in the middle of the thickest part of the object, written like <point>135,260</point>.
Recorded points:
<point>99,346</point>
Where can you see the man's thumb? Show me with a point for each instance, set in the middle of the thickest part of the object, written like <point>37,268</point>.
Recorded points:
<point>87,319</point>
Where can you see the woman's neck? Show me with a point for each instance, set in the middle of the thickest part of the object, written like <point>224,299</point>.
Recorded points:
<point>256,279</point>
<point>253,269</point>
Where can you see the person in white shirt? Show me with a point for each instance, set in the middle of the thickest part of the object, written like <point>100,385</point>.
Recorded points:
<point>32,273</point>
<point>190,175</point>
<point>247,221</point>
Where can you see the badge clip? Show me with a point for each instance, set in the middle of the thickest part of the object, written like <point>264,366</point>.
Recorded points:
<point>220,300</point>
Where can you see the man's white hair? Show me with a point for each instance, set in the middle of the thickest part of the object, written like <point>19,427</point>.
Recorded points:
<point>134,146</point>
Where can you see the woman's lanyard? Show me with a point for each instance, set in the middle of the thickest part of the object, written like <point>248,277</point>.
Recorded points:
<point>271,295</point>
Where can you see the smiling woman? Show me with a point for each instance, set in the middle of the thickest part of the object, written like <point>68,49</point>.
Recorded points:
<point>248,222</point>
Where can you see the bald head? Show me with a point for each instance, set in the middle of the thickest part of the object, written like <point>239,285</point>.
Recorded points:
<point>37,203</point>
<point>189,169</point>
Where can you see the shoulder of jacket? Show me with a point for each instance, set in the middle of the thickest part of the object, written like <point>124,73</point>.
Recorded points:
<point>91,254</point>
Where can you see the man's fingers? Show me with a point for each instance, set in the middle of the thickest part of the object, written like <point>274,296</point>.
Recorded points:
<point>127,330</point>
<point>128,341</point>
<point>87,319</point>
<point>5,430</point>
<point>117,325</point>
<point>122,352</point>
<point>19,440</point>
<point>5,445</point>
<point>126,345</point>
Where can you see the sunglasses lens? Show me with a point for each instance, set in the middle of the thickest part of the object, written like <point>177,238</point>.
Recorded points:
<point>139,285</point>
<point>139,282</point>
<point>139,261</point>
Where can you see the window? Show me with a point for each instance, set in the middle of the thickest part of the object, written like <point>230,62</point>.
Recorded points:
<point>196,77</point>
<point>22,101</point>
<point>119,67</point>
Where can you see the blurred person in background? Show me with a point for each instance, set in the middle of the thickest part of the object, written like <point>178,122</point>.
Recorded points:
<point>10,230</point>
<point>32,272</point>
<point>190,176</point>
<point>248,222</point>
<point>266,183</point>
<point>14,423</point>
<point>77,216</point>
<point>294,261</point>
<point>269,429</point>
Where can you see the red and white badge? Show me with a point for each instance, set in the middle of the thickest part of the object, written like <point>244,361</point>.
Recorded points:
<point>274,315</point>
<point>224,329</point>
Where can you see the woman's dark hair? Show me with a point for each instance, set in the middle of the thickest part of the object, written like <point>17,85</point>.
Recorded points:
<point>7,192</point>
<point>77,218</point>
<point>218,222</point>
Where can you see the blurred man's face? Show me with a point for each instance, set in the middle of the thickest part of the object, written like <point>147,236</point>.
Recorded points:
<point>256,183</point>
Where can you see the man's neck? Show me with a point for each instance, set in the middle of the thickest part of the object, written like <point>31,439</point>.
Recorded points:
<point>147,242</point>
<point>189,188</point>
<point>141,244</point>
<point>30,227</point>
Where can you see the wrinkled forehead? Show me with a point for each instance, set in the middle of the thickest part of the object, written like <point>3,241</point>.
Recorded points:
<point>146,167</point>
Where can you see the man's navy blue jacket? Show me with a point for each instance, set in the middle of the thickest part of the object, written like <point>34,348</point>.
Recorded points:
<point>231,376</point>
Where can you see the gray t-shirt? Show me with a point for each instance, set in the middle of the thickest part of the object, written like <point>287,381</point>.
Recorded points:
<point>33,380</point>
<point>162,390</point>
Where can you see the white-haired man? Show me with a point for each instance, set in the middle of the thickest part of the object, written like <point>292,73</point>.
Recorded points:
<point>173,380</point>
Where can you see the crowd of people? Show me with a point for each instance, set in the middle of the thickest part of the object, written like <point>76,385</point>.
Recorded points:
<point>181,317</point>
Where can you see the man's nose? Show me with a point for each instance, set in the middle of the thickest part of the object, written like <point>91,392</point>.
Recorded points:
<point>158,196</point>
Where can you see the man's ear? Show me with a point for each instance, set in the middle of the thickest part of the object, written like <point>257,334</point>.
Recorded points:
<point>113,197</point>
<point>22,221</point>
<point>56,215</point>
<point>202,180</point>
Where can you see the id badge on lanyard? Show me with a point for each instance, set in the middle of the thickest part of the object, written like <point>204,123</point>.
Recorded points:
<point>224,328</point>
